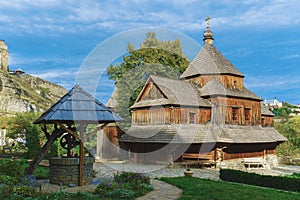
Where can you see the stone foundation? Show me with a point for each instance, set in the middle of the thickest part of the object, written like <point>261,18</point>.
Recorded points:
<point>65,171</point>
<point>269,162</point>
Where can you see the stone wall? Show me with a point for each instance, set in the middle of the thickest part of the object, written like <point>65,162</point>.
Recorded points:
<point>3,56</point>
<point>269,161</point>
<point>65,171</point>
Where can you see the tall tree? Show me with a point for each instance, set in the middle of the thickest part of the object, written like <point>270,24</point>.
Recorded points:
<point>154,57</point>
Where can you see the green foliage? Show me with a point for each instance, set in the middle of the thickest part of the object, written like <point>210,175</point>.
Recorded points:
<point>151,51</point>
<point>33,142</point>
<point>282,112</point>
<point>41,172</point>
<point>278,182</point>
<point>294,175</point>
<point>291,130</point>
<point>8,180</point>
<point>155,57</point>
<point>121,193</point>
<point>44,92</point>
<point>24,191</point>
<point>198,189</point>
<point>16,126</point>
<point>132,178</point>
<point>105,186</point>
<point>151,41</point>
<point>126,185</point>
<point>15,169</point>
<point>12,168</point>
<point>21,125</point>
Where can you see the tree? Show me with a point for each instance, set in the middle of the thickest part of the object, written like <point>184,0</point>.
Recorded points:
<point>21,126</point>
<point>291,130</point>
<point>154,57</point>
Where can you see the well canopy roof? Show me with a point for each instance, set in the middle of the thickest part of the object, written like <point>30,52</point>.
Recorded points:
<point>78,106</point>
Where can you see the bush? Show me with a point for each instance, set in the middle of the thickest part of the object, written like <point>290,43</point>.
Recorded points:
<point>11,168</point>
<point>105,186</point>
<point>132,178</point>
<point>24,191</point>
<point>15,169</point>
<point>8,180</point>
<point>41,172</point>
<point>126,185</point>
<point>277,182</point>
<point>121,193</point>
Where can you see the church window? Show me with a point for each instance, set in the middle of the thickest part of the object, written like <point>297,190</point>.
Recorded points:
<point>192,118</point>
<point>247,114</point>
<point>235,112</point>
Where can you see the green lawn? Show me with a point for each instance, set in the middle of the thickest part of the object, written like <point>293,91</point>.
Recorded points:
<point>195,188</point>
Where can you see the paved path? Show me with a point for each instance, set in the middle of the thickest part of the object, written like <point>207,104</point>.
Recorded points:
<point>162,191</point>
<point>154,171</point>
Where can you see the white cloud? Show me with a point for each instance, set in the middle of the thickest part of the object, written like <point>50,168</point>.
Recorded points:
<point>48,16</point>
<point>284,81</point>
<point>54,74</point>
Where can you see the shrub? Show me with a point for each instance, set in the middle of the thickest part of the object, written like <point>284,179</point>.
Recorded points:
<point>132,178</point>
<point>11,168</point>
<point>126,185</point>
<point>24,191</point>
<point>278,182</point>
<point>121,193</point>
<point>41,172</point>
<point>6,191</point>
<point>8,180</point>
<point>105,186</point>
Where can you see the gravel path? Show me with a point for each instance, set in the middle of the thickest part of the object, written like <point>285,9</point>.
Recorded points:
<point>154,171</point>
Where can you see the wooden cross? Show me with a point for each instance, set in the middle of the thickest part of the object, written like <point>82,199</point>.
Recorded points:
<point>207,21</point>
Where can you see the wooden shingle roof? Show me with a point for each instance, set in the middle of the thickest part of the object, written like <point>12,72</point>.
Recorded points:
<point>265,110</point>
<point>214,87</point>
<point>201,133</point>
<point>78,106</point>
<point>175,92</point>
<point>210,61</point>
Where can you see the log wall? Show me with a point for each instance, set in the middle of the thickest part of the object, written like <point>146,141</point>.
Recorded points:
<point>248,150</point>
<point>222,111</point>
<point>170,115</point>
<point>267,121</point>
<point>151,91</point>
<point>229,81</point>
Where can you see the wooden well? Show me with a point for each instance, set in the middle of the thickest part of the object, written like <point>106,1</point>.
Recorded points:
<point>65,171</point>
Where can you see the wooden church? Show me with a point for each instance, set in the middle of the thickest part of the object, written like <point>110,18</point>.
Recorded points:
<point>208,116</point>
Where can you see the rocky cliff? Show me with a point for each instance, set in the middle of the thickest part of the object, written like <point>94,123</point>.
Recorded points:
<point>25,93</point>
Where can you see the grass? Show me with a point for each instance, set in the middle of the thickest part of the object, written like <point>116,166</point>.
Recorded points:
<point>195,188</point>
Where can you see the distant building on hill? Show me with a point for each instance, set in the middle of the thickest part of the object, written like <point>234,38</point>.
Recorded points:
<point>18,72</point>
<point>273,103</point>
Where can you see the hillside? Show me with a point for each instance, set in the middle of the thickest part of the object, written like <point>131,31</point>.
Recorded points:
<point>26,93</point>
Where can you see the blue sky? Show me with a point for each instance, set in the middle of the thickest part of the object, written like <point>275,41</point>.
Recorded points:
<point>52,38</point>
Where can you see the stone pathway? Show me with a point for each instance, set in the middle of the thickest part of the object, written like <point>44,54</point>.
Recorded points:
<point>162,191</point>
<point>154,171</point>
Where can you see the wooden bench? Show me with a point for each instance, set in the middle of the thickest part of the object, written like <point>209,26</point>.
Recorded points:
<point>248,162</point>
<point>201,159</point>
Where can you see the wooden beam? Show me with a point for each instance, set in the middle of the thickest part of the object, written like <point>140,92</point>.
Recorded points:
<point>55,134</point>
<point>68,130</point>
<point>81,160</point>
